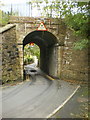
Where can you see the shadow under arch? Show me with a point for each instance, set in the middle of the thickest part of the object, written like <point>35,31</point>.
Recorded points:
<point>46,41</point>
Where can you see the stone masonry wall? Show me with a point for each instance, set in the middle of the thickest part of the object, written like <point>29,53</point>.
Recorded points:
<point>71,64</point>
<point>0,60</point>
<point>10,55</point>
<point>74,62</point>
<point>26,25</point>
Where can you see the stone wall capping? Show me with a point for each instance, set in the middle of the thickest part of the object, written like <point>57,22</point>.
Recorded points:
<point>7,27</point>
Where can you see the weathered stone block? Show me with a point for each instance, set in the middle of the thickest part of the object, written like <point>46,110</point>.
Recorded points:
<point>9,56</point>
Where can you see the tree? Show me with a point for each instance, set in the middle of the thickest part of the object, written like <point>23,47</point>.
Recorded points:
<point>79,21</point>
<point>34,3</point>
<point>29,52</point>
<point>4,18</point>
<point>75,15</point>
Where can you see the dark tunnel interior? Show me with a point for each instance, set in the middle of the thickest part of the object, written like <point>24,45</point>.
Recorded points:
<point>46,41</point>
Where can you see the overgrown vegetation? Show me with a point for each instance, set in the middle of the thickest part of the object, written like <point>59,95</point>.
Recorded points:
<point>75,15</point>
<point>79,22</point>
<point>4,16</point>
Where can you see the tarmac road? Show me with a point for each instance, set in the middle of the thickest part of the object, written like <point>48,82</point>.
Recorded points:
<point>77,107</point>
<point>38,98</point>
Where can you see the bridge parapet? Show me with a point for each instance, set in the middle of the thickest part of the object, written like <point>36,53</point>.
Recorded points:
<point>33,20</point>
<point>25,25</point>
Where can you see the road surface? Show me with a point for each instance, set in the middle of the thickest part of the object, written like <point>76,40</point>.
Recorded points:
<point>40,97</point>
<point>77,106</point>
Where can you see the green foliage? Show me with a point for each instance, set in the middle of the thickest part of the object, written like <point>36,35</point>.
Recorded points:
<point>29,52</point>
<point>35,51</point>
<point>3,18</point>
<point>79,22</point>
<point>28,60</point>
<point>81,44</point>
<point>27,56</point>
<point>75,15</point>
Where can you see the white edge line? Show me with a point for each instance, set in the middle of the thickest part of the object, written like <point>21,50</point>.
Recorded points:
<point>56,110</point>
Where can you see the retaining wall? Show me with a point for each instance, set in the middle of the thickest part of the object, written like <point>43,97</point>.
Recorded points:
<point>10,55</point>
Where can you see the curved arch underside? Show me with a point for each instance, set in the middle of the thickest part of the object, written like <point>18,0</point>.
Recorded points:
<point>41,38</point>
<point>46,41</point>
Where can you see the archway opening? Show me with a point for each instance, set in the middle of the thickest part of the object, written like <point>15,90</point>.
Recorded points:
<point>31,54</point>
<point>46,42</point>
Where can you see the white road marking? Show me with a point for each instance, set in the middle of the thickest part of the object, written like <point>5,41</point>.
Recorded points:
<point>56,110</point>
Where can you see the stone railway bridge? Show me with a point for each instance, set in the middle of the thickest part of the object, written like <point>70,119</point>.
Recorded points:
<point>57,56</point>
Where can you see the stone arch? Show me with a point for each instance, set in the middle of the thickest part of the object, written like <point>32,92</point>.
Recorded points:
<point>46,42</point>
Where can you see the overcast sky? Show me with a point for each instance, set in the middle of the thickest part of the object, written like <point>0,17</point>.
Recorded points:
<point>22,7</point>
<point>23,1</point>
<point>19,6</point>
<point>14,1</point>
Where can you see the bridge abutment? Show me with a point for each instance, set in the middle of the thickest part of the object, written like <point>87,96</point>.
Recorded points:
<point>62,60</point>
